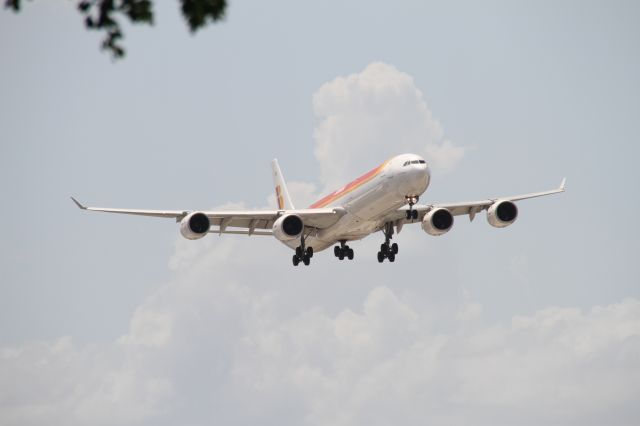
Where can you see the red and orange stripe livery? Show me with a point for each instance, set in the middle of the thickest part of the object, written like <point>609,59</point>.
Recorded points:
<point>335,195</point>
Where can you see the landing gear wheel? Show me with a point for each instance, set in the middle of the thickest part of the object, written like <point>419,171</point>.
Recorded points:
<point>343,250</point>
<point>388,250</point>
<point>303,253</point>
<point>412,214</point>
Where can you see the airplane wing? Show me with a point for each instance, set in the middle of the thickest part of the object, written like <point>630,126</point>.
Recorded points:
<point>263,219</point>
<point>247,220</point>
<point>470,207</point>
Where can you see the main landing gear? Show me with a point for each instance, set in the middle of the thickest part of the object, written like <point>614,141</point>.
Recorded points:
<point>411,213</point>
<point>303,254</point>
<point>343,251</point>
<point>388,251</point>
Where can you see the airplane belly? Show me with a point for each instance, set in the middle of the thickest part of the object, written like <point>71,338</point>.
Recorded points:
<point>310,241</point>
<point>349,227</point>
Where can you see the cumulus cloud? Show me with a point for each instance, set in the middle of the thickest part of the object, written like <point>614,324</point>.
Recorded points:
<point>218,345</point>
<point>365,118</point>
<point>208,348</point>
<point>370,116</point>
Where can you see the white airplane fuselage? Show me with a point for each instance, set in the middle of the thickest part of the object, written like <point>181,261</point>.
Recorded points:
<point>369,199</point>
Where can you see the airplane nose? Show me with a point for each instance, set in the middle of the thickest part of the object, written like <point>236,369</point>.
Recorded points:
<point>422,179</point>
<point>416,180</point>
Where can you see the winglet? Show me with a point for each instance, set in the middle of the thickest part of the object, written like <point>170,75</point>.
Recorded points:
<point>78,204</point>
<point>564,181</point>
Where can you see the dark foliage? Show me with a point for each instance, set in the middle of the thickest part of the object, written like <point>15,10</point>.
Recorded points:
<point>101,15</point>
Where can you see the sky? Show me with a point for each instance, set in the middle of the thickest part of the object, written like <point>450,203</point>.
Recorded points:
<point>108,319</point>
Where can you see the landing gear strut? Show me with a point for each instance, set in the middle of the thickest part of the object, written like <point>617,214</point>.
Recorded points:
<point>343,250</point>
<point>303,254</point>
<point>411,213</point>
<point>388,251</point>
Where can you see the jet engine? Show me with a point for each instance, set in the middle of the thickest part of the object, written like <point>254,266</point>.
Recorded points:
<point>195,225</point>
<point>502,213</point>
<point>437,222</point>
<point>288,227</point>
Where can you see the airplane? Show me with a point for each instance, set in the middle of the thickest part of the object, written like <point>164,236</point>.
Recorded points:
<point>383,199</point>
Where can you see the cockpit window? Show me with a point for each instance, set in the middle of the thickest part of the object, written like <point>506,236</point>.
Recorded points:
<point>406,163</point>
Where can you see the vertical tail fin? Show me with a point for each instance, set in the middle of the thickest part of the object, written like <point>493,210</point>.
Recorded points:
<point>282,194</point>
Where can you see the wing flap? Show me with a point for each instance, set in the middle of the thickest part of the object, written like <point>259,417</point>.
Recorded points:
<point>240,232</point>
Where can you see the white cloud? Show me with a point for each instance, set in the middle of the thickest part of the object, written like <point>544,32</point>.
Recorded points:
<point>367,117</point>
<point>213,346</point>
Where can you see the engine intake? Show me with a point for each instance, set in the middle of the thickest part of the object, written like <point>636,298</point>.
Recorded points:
<point>288,227</point>
<point>437,222</point>
<point>502,213</point>
<point>195,225</point>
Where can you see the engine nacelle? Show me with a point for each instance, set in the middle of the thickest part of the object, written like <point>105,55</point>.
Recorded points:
<point>502,213</point>
<point>288,227</point>
<point>437,222</point>
<point>195,225</point>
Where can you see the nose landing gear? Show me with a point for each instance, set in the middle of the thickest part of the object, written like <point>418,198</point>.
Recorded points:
<point>411,213</point>
<point>388,251</point>
<point>343,251</point>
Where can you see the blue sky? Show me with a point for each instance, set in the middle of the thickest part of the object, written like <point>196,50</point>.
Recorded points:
<point>521,93</point>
